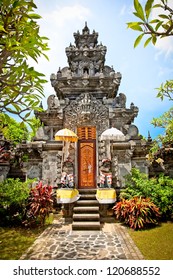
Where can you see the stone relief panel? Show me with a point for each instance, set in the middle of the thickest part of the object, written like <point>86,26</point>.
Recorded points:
<point>86,110</point>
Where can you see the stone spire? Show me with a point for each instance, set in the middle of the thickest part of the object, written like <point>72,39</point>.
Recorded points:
<point>86,56</point>
<point>86,70</point>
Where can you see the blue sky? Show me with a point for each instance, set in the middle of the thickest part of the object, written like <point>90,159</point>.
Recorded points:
<point>142,69</point>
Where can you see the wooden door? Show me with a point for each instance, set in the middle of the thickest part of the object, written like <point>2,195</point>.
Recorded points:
<point>87,159</point>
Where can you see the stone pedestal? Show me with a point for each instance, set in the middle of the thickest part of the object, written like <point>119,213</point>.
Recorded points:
<point>67,210</point>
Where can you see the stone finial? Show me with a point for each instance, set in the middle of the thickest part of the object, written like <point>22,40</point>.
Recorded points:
<point>85,30</point>
<point>149,137</point>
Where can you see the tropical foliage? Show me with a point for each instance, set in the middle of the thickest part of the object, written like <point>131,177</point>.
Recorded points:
<point>137,212</point>
<point>159,190</point>
<point>13,131</point>
<point>20,84</point>
<point>153,28</point>
<point>160,27</point>
<point>24,203</point>
<point>13,201</point>
<point>39,204</point>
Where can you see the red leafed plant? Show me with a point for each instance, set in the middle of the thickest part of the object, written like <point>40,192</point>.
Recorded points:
<point>137,212</point>
<point>40,203</point>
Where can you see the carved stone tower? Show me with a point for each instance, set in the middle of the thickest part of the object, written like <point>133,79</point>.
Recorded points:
<point>87,102</point>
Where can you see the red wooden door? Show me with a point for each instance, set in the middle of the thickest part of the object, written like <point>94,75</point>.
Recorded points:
<point>87,161</point>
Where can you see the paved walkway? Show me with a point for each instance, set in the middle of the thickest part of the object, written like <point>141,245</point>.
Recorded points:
<point>59,242</point>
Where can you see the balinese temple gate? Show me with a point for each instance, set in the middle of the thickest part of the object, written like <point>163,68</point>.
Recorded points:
<point>87,102</point>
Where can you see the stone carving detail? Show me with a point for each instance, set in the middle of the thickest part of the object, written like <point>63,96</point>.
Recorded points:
<point>115,171</point>
<point>120,101</point>
<point>86,110</point>
<point>53,102</point>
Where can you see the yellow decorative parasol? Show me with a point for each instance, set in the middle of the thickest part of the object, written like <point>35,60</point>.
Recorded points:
<point>66,135</point>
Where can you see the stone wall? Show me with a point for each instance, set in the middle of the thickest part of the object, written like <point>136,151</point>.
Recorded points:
<point>51,167</point>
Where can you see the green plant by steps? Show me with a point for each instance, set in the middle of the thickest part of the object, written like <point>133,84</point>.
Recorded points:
<point>137,212</point>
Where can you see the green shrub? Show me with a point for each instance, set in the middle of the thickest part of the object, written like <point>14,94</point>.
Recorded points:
<point>159,190</point>
<point>137,212</point>
<point>13,199</point>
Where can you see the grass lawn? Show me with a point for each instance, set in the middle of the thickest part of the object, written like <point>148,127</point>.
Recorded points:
<point>15,241</point>
<point>155,243</point>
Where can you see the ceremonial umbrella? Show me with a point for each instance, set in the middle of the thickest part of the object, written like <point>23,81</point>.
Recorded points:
<point>67,136</point>
<point>112,134</point>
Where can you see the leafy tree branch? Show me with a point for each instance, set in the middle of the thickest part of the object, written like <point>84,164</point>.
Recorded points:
<point>158,28</point>
<point>21,86</point>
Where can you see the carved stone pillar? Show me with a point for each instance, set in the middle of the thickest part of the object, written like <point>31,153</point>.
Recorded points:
<point>115,173</point>
<point>51,133</point>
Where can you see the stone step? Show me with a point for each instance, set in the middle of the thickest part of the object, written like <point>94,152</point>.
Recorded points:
<point>86,225</point>
<point>87,196</point>
<point>87,202</point>
<point>86,217</point>
<point>87,209</point>
<point>87,191</point>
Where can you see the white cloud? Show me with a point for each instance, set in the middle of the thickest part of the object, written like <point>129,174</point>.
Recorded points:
<point>126,10</point>
<point>123,10</point>
<point>164,45</point>
<point>165,71</point>
<point>62,16</point>
<point>60,24</point>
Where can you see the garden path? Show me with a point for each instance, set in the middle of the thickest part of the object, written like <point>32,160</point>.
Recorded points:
<point>60,242</point>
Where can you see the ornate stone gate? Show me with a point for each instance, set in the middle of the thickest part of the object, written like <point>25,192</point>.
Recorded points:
<point>86,98</point>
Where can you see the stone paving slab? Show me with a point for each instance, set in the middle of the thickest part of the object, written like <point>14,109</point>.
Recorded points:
<point>60,242</point>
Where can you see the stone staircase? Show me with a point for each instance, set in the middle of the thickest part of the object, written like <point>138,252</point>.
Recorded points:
<point>86,214</point>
